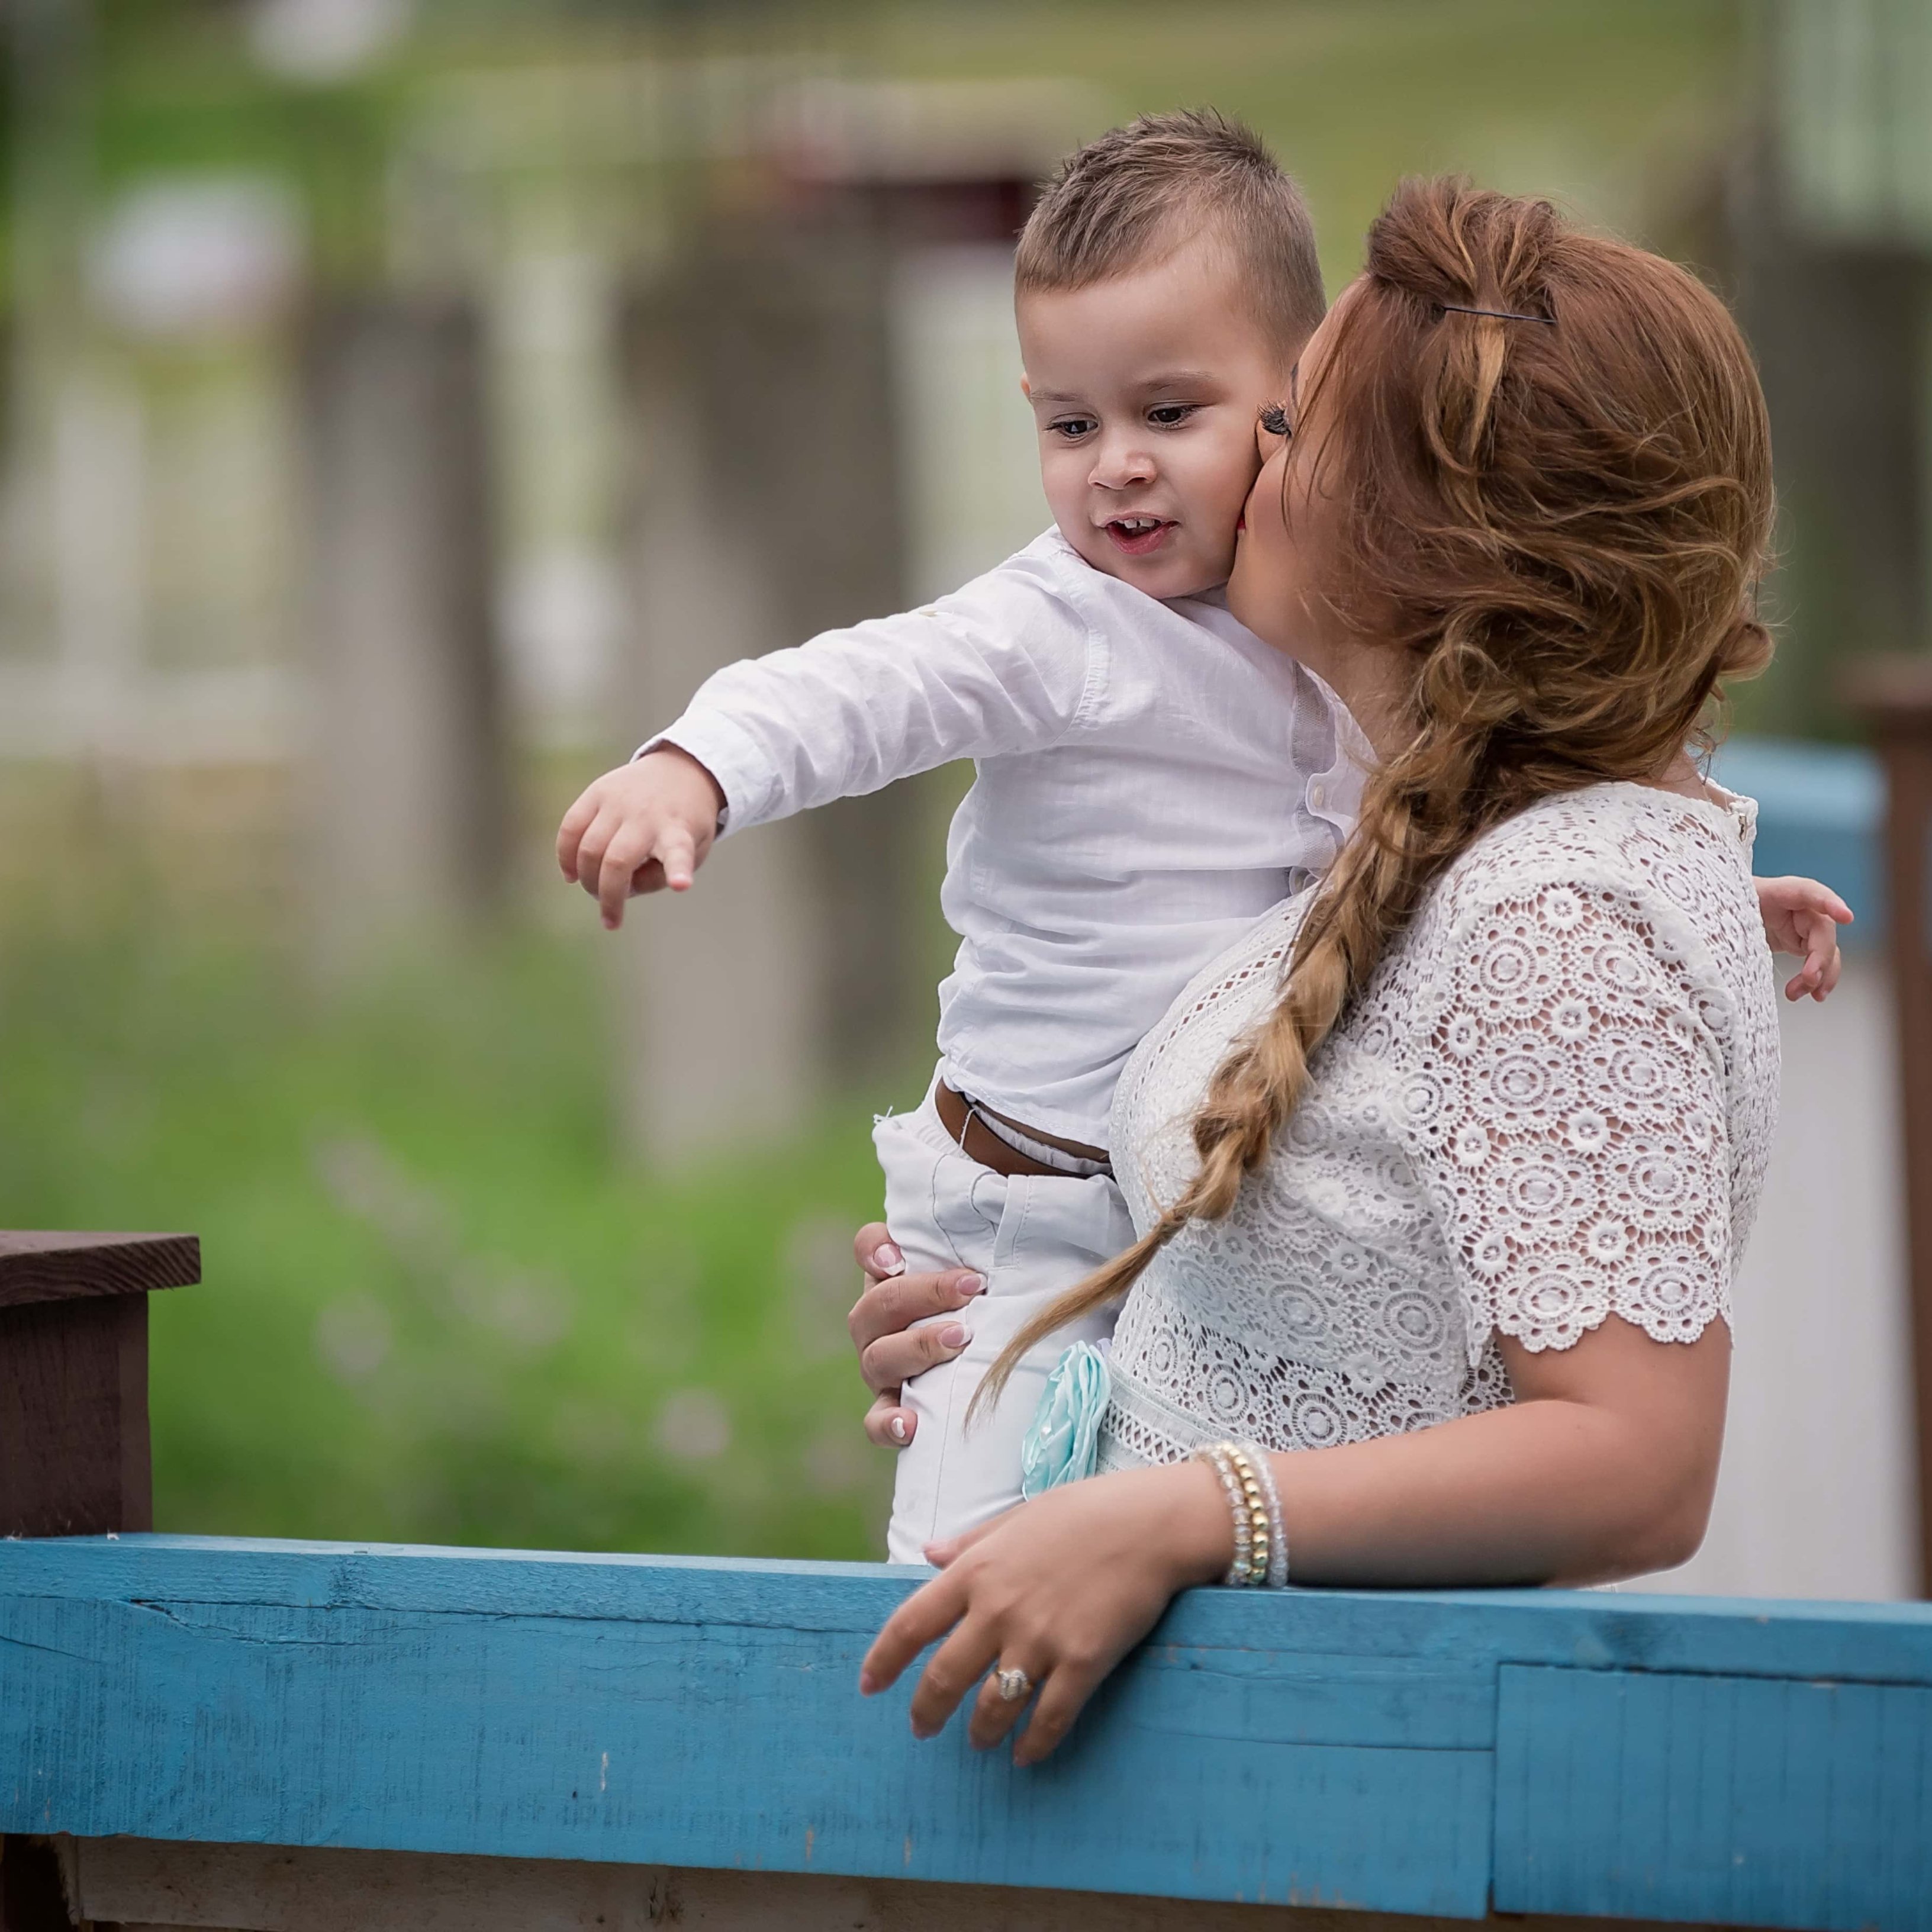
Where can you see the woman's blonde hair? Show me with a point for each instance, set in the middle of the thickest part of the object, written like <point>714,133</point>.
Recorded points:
<point>1557,517</point>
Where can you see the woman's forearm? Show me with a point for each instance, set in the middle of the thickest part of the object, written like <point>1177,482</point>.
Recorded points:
<point>1529,1494</point>
<point>1603,1467</point>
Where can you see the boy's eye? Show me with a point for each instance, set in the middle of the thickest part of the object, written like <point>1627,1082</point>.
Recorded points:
<point>1170,416</point>
<point>1073,427</point>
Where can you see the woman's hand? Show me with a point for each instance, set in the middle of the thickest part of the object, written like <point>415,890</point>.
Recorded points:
<point>891,1350</point>
<point>1062,1588</point>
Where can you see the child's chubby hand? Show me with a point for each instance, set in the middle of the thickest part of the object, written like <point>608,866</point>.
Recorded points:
<point>644,826</point>
<point>1801,917</point>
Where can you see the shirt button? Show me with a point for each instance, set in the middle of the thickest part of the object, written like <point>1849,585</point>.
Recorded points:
<point>1318,796</point>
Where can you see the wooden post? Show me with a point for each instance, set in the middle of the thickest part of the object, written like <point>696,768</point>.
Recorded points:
<point>33,1897</point>
<point>1895,694</point>
<point>765,510</point>
<point>74,1378</point>
<point>408,805</point>
<point>73,1432</point>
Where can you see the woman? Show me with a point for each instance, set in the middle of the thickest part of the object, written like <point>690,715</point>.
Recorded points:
<point>1440,1176</point>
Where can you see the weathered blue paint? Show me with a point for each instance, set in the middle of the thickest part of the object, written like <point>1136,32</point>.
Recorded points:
<point>1743,1801</point>
<point>1333,1746</point>
<point>1821,811</point>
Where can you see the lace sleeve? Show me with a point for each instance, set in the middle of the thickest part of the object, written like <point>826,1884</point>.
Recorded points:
<point>1570,1092</point>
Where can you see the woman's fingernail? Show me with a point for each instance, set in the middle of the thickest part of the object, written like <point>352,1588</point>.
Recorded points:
<point>887,1259</point>
<point>896,1428</point>
<point>972,1284</point>
<point>954,1336</point>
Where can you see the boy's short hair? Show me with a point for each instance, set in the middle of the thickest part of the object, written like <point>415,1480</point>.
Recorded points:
<point>1138,192</point>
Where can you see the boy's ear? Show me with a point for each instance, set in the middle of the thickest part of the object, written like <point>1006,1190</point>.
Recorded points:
<point>1026,387</point>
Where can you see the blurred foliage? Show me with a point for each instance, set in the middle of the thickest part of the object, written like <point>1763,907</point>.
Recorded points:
<point>438,1305</point>
<point>1614,107</point>
<point>1622,112</point>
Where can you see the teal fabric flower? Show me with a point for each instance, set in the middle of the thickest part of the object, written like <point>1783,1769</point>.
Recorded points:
<point>1059,1447</point>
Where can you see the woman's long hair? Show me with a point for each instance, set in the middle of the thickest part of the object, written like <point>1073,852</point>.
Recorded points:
<point>1557,521</point>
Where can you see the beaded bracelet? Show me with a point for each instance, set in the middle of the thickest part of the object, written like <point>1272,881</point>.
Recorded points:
<point>1277,1562</point>
<point>1258,1552</point>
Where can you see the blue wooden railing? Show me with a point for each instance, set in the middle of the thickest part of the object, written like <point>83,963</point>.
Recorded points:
<point>1750,1764</point>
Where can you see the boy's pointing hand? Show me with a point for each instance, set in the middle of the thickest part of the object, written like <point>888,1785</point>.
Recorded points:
<point>644,826</point>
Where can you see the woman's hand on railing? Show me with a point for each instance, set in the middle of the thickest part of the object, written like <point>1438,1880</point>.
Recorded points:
<point>1059,1589</point>
<point>891,1349</point>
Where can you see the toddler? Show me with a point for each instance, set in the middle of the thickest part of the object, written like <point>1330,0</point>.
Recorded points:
<point>1150,777</point>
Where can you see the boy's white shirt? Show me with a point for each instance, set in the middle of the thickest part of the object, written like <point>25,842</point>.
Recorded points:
<point>1151,777</point>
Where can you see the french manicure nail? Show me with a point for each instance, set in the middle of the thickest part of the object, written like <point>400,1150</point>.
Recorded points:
<point>887,1257</point>
<point>972,1284</point>
<point>952,1336</point>
<point>896,1428</point>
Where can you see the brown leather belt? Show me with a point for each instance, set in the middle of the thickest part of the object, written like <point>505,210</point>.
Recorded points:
<point>978,1141</point>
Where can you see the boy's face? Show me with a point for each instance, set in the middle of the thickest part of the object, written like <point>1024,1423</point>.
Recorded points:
<point>1146,389</point>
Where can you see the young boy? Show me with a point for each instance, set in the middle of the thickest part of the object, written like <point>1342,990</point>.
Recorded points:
<point>1150,777</point>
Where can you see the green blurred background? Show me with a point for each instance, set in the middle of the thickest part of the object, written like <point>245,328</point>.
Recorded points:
<point>462,1284</point>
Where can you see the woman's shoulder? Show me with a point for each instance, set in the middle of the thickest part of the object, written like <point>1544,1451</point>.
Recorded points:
<point>1656,848</point>
<point>1670,871</point>
<point>1615,833</point>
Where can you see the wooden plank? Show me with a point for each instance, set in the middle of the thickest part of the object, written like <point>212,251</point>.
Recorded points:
<point>1749,1801</point>
<point>137,1882</point>
<point>1895,694</point>
<point>699,1745</point>
<point>73,1417</point>
<point>1596,1630</point>
<point>46,1266</point>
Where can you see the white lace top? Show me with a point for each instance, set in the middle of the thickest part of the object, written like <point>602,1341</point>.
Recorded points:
<point>1553,1102</point>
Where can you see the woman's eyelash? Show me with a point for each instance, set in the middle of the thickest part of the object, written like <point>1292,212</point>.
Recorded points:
<point>1274,420</point>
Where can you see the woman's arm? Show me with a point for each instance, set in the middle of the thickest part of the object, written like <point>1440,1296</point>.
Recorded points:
<point>1604,1467</point>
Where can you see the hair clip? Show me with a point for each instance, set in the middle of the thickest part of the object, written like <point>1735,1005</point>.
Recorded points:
<point>1499,314</point>
<point>1274,420</point>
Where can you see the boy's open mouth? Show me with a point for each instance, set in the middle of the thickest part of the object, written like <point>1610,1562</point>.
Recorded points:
<point>1137,535</point>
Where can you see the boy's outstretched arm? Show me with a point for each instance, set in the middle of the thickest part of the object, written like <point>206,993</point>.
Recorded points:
<point>646,825</point>
<point>1007,665</point>
<point>1801,917</point>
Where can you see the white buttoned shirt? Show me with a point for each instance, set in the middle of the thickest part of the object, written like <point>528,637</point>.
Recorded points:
<point>1150,777</point>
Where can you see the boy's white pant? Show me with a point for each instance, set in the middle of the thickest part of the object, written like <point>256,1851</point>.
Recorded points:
<point>1030,1238</point>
